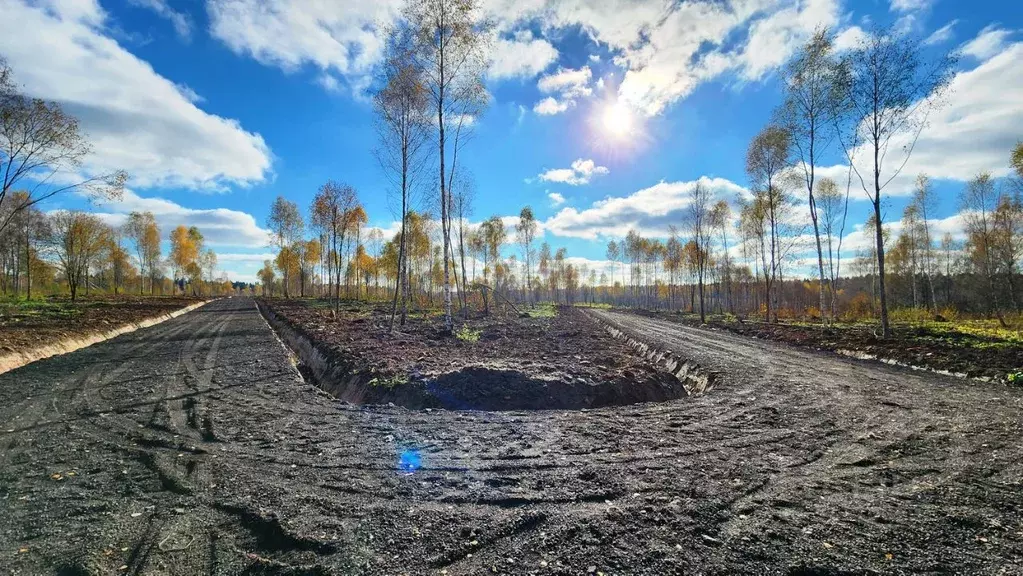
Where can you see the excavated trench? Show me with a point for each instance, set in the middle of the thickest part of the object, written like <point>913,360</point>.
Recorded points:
<point>496,387</point>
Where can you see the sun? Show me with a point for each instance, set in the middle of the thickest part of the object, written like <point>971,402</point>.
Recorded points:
<point>617,120</point>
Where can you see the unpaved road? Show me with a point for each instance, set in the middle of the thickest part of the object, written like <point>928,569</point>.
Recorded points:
<point>194,447</point>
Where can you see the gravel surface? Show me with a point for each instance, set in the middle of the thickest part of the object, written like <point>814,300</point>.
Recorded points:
<point>194,447</point>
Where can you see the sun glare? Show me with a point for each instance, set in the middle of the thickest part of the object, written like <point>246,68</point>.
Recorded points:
<point>617,120</point>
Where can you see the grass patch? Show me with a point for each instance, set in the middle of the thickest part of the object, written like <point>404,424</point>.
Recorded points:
<point>466,334</point>
<point>18,310</point>
<point>597,305</point>
<point>390,381</point>
<point>542,310</point>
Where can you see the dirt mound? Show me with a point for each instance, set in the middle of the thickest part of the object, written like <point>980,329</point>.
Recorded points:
<point>561,363</point>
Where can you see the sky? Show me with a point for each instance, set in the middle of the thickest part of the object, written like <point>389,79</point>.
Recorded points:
<point>603,113</point>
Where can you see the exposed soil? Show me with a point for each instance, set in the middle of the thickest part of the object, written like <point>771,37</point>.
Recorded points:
<point>946,350</point>
<point>519,363</point>
<point>194,447</point>
<point>25,326</point>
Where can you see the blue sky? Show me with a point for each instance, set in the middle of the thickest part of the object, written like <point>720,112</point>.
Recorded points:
<point>216,107</point>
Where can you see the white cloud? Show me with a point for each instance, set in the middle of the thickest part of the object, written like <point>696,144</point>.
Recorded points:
<point>567,82</point>
<point>329,82</point>
<point>341,37</point>
<point>849,38</point>
<point>219,226</point>
<point>774,39</point>
<point>182,24</point>
<point>941,35</point>
<point>136,119</point>
<point>972,131</point>
<point>521,56</point>
<point>580,173</point>
<point>910,5</point>
<point>556,198</point>
<point>649,211</point>
<point>567,85</point>
<point>244,257</point>
<point>989,42</point>
<point>666,48</point>
<point>550,106</point>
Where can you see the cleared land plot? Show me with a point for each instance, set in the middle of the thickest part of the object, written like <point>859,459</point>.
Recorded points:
<point>194,447</point>
<point>975,348</point>
<point>25,325</point>
<point>547,359</point>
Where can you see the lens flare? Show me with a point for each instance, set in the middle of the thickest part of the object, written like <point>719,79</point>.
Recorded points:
<point>409,461</point>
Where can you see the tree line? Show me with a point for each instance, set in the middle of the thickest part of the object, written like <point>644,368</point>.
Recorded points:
<point>78,253</point>
<point>743,257</point>
<point>42,148</point>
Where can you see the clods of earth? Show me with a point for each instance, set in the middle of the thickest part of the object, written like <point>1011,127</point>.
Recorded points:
<point>560,361</point>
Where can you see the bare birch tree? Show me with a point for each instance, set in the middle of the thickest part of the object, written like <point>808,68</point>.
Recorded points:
<point>402,108</point>
<point>699,224</point>
<point>808,114</point>
<point>451,50</point>
<point>766,159</point>
<point>41,144</point>
<point>889,89</point>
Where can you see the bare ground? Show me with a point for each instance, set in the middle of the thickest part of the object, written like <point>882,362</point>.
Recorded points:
<point>194,447</point>
<point>37,323</point>
<point>938,346</point>
<point>563,360</point>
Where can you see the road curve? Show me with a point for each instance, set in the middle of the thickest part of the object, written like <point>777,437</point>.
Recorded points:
<point>194,447</point>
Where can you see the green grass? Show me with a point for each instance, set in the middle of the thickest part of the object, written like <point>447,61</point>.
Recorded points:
<point>598,305</point>
<point>466,334</point>
<point>542,310</point>
<point>19,310</point>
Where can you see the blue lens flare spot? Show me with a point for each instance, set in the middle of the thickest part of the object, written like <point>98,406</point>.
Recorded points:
<point>409,461</point>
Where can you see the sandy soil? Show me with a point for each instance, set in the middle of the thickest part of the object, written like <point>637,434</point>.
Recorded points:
<point>194,447</point>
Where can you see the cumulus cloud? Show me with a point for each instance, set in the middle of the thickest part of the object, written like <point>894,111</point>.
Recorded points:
<point>181,22</point>
<point>556,198</point>
<point>580,173</point>
<point>849,38</point>
<point>666,48</point>
<point>521,55</point>
<point>219,226</point>
<point>988,43</point>
<point>648,211</point>
<point>136,119</point>
<point>567,82</point>
<point>340,37</point>
<point>775,38</point>
<point>550,106</point>
<point>980,110</point>
<point>566,85</point>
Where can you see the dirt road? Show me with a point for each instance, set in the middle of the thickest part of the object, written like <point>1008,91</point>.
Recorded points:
<point>194,447</point>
